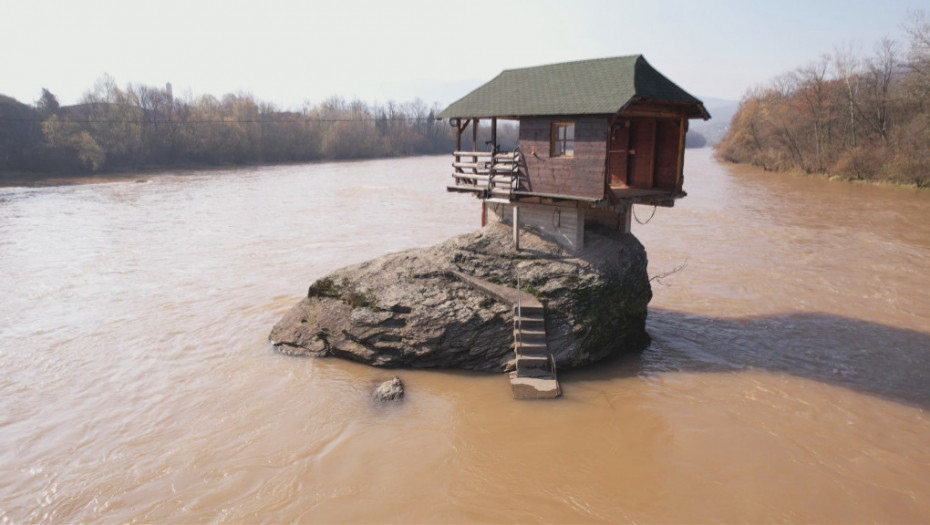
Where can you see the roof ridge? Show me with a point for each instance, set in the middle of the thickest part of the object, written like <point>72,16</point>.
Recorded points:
<point>567,62</point>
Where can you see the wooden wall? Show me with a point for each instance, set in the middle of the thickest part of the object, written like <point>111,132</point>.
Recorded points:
<point>667,153</point>
<point>583,175</point>
<point>654,152</point>
<point>653,164</point>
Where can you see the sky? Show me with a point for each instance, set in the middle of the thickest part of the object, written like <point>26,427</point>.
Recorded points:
<point>292,52</point>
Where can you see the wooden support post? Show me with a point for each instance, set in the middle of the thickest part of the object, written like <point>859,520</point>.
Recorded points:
<point>493,137</point>
<point>625,220</point>
<point>579,228</point>
<point>474,135</point>
<point>484,214</point>
<point>516,227</point>
<point>680,174</point>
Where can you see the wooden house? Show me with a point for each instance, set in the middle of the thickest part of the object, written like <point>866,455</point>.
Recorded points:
<point>595,137</point>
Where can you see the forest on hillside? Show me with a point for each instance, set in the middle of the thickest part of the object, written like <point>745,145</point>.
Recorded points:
<point>144,127</point>
<point>846,115</point>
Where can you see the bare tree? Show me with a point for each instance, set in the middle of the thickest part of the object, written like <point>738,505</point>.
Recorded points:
<point>878,79</point>
<point>848,68</point>
<point>918,32</point>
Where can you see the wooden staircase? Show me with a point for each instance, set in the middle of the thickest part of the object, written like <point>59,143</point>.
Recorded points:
<point>535,375</point>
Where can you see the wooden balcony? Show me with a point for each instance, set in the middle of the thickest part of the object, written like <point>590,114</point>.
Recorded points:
<point>487,174</point>
<point>501,177</point>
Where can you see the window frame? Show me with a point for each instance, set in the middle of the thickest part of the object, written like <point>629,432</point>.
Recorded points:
<point>555,142</point>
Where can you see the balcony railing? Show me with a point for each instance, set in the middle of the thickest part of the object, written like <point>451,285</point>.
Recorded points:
<point>488,174</point>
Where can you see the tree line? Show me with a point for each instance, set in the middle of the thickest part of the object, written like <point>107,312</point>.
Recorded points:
<point>846,115</point>
<point>144,127</point>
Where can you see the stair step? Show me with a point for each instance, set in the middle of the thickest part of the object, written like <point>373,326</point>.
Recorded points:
<point>529,310</point>
<point>530,323</point>
<point>534,388</point>
<point>530,345</point>
<point>541,373</point>
<point>530,348</point>
<point>532,361</point>
<point>530,336</point>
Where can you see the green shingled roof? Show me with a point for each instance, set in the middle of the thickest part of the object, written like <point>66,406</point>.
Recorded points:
<point>589,87</point>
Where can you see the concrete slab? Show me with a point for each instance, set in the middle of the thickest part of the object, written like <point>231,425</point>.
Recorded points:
<point>534,388</point>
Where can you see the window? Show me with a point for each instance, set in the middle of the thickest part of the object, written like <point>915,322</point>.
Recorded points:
<point>563,140</point>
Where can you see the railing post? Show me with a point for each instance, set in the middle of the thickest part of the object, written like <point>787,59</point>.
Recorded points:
<point>519,305</point>
<point>516,227</point>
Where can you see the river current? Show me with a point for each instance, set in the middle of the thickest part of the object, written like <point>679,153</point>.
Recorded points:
<point>788,378</point>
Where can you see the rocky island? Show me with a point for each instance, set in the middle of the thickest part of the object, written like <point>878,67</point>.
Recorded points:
<point>410,309</point>
<point>596,137</point>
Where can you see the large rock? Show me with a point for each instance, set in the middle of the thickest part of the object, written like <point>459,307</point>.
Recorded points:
<point>407,309</point>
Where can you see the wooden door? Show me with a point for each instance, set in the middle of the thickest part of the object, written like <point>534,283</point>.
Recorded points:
<point>618,161</point>
<point>642,151</point>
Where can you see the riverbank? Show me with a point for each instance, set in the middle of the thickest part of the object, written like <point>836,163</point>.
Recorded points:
<point>889,182</point>
<point>19,178</point>
<point>917,182</point>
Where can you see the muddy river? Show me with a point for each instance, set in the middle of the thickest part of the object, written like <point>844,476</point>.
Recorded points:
<point>788,378</point>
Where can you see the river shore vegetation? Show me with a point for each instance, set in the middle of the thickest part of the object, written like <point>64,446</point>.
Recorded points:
<point>141,127</point>
<point>845,115</point>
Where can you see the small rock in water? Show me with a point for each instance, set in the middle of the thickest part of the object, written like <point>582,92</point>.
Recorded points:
<point>389,390</point>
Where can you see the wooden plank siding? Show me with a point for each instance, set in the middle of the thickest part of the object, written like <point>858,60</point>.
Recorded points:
<point>654,156</point>
<point>581,175</point>
<point>667,154</point>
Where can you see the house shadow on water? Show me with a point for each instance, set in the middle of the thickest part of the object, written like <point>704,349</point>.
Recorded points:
<point>863,356</point>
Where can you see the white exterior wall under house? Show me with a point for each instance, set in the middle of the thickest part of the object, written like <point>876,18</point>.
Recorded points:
<point>562,223</point>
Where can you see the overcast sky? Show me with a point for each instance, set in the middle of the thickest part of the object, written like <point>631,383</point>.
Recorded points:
<point>289,52</point>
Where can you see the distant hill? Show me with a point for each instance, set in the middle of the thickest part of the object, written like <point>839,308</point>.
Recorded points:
<point>721,112</point>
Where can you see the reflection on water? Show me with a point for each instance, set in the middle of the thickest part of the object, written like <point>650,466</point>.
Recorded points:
<point>784,381</point>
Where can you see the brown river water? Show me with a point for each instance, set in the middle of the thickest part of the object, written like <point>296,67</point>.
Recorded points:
<point>788,378</point>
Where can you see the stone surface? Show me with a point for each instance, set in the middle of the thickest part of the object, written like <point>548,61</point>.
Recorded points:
<point>390,390</point>
<point>534,388</point>
<point>407,309</point>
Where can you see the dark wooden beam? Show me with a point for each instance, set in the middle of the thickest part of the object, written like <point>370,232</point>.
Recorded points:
<point>679,175</point>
